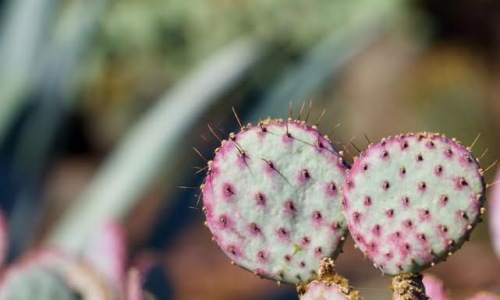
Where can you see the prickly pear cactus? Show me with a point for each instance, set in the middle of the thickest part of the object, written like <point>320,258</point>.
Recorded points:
<point>106,253</point>
<point>328,286</point>
<point>408,287</point>
<point>37,283</point>
<point>412,200</point>
<point>272,199</point>
<point>48,274</point>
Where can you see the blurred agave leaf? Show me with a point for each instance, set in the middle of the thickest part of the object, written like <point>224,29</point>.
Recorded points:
<point>49,79</point>
<point>300,81</point>
<point>33,46</point>
<point>23,31</point>
<point>146,46</point>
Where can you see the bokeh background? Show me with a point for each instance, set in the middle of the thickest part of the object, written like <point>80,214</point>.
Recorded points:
<point>101,102</point>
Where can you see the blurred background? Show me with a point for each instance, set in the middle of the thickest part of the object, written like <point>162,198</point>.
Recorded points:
<point>101,102</point>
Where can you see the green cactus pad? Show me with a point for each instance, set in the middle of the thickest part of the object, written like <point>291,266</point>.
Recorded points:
<point>36,282</point>
<point>412,200</point>
<point>51,274</point>
<point>272,199</point>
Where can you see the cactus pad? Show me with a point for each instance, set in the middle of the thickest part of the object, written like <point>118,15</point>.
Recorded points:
<point>412,200</point>
<point>36,283</point>
<point>272,199</point>
<point>329,286</point>
<point>50,274</point>
<point>319,290</point>
<point>106,252</point>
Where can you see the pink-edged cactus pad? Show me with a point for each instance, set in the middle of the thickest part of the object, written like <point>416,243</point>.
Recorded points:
<point>412,200</point>
<point>328,285</point>
<point>319,290</point>
<point>272,199</point>
<point>52,274</point>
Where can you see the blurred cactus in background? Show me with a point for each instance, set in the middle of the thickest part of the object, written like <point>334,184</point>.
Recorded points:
<point>100,272</point>
<point>100,99</point>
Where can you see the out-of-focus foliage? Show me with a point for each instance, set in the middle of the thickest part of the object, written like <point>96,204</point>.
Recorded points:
<point>154,38</point>
<point>184,32</point>
<point>144,47</point>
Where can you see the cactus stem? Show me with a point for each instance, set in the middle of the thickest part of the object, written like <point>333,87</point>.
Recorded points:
<point>329,278</point>
<point>408,287</point>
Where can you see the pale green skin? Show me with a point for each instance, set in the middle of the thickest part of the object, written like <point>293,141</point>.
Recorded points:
<point>55,273</point>
<point>278,185</point>
<point>438,242</point>
<point>36,282</point>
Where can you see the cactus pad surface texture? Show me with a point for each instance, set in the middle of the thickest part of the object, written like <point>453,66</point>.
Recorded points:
<point>272,199</point>
<point>412,200</point>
